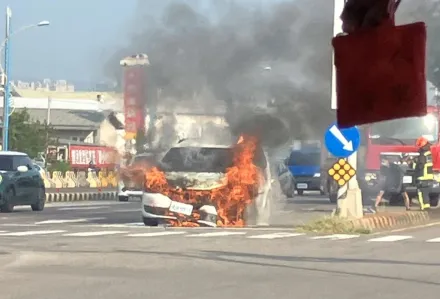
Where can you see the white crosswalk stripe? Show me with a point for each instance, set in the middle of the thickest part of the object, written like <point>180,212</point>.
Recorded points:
<point>336,237</point>
<point>30,233</point>
<point>275,236</point>
<point>158,234</point>
<point>435,240</point>
<point>94,234</point>
<point>60,221</point>
<point>390,238</point>
<point>217,234</point>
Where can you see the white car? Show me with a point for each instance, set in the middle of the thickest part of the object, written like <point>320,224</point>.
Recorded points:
<point>192,166</point>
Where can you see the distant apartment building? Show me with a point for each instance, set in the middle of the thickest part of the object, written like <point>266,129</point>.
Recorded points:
<point>45,85</point>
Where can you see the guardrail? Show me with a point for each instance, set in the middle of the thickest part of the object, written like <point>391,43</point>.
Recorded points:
<point>81,179</point>
<point>80,194</point>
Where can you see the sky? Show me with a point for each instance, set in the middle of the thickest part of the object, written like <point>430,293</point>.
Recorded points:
<point>80,37</point>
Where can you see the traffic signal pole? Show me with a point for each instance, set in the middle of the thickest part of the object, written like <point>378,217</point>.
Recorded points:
<point>349,204</point>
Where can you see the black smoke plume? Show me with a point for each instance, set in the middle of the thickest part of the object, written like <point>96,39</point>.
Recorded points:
<point>243,56</point>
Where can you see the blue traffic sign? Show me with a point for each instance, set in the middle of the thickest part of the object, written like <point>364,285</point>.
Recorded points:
<point>342,143</point>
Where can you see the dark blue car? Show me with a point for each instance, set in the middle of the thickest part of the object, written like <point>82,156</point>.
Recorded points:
<point>305,166</point>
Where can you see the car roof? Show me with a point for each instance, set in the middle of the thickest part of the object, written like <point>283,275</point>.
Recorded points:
<point>12,153</point>
<point>195,142</point>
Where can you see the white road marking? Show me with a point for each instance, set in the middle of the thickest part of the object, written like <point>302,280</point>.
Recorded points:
<point>136,224</point>
<point>82,208</point>
<point>58,221</point>
<point>19,224</point>
<point>31,233</point>
<point>390,238</point>
<point>217,234</point>
<point>82,204</point>
<point>158,234</point>
<point>436,240</point>
<point>92,234</point>
<point>336,237</point>
<point>275,236</point>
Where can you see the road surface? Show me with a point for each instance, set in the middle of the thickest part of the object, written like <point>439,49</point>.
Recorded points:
<point>91,260</point>
<point>101,249</point>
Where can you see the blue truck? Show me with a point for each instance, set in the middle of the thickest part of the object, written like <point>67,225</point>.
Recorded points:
<point>305,166</point>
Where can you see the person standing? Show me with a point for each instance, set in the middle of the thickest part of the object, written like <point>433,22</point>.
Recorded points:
<point>423,173</point>
<point>391,183</point>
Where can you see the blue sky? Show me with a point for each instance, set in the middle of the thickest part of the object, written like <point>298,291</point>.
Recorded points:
<point>81,35</point>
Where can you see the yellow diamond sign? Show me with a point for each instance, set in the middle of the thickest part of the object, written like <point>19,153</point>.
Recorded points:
<point>342,172</point>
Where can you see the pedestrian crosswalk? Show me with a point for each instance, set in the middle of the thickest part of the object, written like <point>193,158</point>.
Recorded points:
<point>131,231</point>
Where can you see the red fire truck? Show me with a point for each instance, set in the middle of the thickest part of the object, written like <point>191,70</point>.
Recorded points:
<point>394,140</point>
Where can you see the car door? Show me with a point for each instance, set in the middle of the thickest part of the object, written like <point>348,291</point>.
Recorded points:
<point>20,181</point>
<point>33,178</point>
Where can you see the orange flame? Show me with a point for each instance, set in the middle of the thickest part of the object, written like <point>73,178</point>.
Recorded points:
<point>231,200</point>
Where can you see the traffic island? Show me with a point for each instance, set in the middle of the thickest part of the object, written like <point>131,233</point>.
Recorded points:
<point>332,225</point>
<point>370,222</point>
<point>80,196</point>
<point>390,220</point>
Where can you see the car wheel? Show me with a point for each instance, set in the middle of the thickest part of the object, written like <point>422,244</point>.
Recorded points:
<point>8,207</point>
<point>150,221</point>
<point>41,201</point>
<point>433,200</point>
<point>123,198</point>
<point>332,193</point>
<point>300,192</point>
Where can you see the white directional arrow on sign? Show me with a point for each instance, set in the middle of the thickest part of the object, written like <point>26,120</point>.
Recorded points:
<point>348,145</point>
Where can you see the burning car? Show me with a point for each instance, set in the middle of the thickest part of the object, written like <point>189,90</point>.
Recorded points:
<point>198,184</point>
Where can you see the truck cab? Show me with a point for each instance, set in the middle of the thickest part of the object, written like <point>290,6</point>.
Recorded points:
<point>394,140</point>
<point>305,166</point>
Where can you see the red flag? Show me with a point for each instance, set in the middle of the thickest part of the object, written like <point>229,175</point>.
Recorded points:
<point>380,73</point>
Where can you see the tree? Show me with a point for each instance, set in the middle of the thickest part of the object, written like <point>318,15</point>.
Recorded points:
<point>28,136</point>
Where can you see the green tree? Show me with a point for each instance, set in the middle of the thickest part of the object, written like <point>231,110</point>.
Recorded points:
<point>28,136</point>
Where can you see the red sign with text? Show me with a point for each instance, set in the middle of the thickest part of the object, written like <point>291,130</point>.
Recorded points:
<point>100,156</point>
<point>134,99</point>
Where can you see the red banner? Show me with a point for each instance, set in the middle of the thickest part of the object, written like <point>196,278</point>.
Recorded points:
<point>100,156</point>
<point>134,99</point>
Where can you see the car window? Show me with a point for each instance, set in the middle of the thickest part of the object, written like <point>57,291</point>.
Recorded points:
<point>22,161</point>
<point>304,158</point>
<point>197,159</point>
<point>6,163</point>
<point>204,159</point>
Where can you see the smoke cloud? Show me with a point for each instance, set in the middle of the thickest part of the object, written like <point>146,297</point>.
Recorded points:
<point>243,56</point>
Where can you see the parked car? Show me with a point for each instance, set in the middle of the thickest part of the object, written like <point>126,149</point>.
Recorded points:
<point>20,182</point>
<point>195,166</point>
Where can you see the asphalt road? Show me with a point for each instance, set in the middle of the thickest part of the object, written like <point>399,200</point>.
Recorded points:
<point>101,250</point>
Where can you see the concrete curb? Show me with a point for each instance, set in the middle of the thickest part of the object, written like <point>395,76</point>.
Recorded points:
<point>80,196</point>
<point>380,222</point>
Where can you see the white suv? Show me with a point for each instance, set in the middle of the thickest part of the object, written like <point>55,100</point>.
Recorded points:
<point>192,166</point>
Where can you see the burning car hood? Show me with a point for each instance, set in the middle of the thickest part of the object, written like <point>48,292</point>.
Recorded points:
<point>196,180</point>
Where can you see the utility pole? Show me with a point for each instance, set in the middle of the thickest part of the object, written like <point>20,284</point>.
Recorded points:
<point>7,92</point>
<point>349,196</point>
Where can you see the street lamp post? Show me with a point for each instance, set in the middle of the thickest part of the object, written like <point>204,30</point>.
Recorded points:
<point>6,73</point>
<point>6,90</point>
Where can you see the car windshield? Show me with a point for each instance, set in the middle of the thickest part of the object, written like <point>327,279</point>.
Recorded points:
<point>6,163</point>
<point>143,160</point>
<point>304,159</point>
<point>404,131</point>
<point>197,159</point>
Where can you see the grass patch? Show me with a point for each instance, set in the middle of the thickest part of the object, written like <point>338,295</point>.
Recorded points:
<point>332,225</point>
